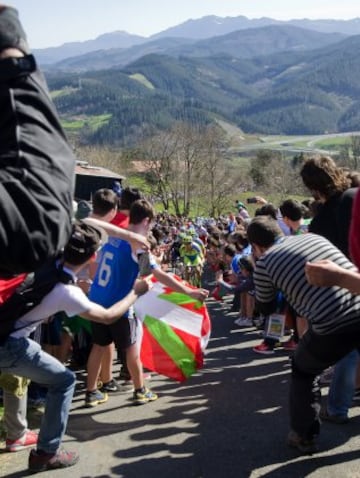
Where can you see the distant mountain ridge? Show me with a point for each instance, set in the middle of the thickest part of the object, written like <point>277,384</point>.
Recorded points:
<point>202,28</point>
<point>239,44</point>
<point>118,39</point>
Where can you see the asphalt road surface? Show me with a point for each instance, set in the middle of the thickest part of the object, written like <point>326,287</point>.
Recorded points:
<point>229,420</point>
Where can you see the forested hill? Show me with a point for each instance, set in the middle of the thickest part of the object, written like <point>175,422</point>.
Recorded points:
<point>294,92</point>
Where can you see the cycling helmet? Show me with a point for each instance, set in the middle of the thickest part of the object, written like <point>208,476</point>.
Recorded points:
<point>187,240</point>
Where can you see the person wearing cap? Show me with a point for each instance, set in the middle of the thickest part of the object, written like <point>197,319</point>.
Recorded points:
<point>20,355</point>
<point>242,210</point>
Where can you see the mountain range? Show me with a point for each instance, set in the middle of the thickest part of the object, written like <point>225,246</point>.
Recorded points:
<point>274,79</point>
<point>202,28</point>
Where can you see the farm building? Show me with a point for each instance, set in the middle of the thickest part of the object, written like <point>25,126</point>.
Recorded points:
<point>89,179</point>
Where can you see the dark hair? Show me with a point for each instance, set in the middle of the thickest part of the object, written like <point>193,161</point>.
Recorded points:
<point>103,201</point>
<point>245,262</point>
<point>292,209</point>
<point>267,210</point>
<point>238,238</point>
<point>140,210</point>
<point>320,174</point>
<point>128,196</point>
<point>263,231</point>
<point>230,250</point>
<point>84,241</point>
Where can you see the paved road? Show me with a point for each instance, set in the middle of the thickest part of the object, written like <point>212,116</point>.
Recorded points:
<point>229,421</point>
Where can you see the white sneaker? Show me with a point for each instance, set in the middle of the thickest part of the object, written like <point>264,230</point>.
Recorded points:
<point>243,322</point>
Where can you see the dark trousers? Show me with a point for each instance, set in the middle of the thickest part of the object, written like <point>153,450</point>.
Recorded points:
<point>314,354</point>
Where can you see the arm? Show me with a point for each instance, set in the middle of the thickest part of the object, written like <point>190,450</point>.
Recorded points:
<point>327,274</point>
<point>135,240</point>
<point>169,281</point>
<point>97,313</point>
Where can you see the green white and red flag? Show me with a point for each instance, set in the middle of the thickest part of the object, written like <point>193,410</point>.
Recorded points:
<point>176,331</point>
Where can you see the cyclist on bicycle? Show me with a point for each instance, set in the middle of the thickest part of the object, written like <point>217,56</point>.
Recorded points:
<point>193,258</point>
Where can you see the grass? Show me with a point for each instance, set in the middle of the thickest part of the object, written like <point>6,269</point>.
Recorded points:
<point>63,92</point>
<point>143,80</point>
<point>92,122</point>
<point>332,143</point>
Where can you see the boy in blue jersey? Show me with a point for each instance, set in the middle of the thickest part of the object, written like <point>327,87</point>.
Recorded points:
<point>117,271</point>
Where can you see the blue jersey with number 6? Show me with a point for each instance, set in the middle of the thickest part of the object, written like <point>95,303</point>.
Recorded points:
<point>115,274</point>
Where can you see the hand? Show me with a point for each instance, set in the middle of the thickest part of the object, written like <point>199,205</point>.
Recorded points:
<point>142,286</point>
<point>260,200</point>
<point>137,241</point>
<point>322,273</point>
<point>199,294</point>
<point>219,275</point>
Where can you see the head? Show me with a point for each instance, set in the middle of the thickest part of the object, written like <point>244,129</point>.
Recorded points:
<point>246,265</point>
<point>240,205</point>
<point>128,197</point>
<point>263,231</point>
<point>82,245</point>
<point>187,240</point>
<point>267,210</point>
<point>83,210</point>
<point>323,178</point>
<point>229,252</point>
<point>292,212</point>
<point>141,216</point>
<point>105,204</point>
<point>239,239</point>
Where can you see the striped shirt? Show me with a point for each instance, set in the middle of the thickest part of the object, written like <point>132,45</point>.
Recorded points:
<point>282,267</point>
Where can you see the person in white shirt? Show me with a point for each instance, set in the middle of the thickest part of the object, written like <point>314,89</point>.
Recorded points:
<point>21,356</point>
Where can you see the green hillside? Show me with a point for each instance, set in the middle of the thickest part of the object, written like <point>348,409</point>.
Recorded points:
<point>292,93</point>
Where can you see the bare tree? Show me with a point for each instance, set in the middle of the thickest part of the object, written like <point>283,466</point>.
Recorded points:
<point>274,173</point>
<point>174,161</point>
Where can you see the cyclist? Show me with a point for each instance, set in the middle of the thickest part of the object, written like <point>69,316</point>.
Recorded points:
<point>193,258</point>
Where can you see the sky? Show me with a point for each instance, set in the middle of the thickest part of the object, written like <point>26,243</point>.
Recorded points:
<point>53,22</point>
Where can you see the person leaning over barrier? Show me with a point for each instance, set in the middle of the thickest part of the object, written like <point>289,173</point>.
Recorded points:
<point>332,313</point>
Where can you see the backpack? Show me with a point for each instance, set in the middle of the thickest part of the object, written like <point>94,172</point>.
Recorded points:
<point>29,294</point>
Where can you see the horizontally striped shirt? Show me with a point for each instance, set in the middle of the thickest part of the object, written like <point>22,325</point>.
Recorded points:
<point>282,267</point>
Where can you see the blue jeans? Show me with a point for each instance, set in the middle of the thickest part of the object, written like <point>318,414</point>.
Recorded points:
<point>342,385</point>
<point>25,357</point>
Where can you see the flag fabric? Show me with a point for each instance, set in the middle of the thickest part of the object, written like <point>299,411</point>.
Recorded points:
<point>176,331</point>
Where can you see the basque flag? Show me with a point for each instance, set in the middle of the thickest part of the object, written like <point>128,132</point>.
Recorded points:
<point>176,331</point>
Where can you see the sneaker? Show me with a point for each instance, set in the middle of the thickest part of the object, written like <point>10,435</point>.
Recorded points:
<point>145,396</point>
<point>95,398</point>
<point>306,447</point>
<point>243,322</point>
<point>264,349</point>
<point>289,345</point>
<point>29,438</point>
<point>259,322</point>
<point>337,419</point>
<point>110,387</point>
<point>41,461</point>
